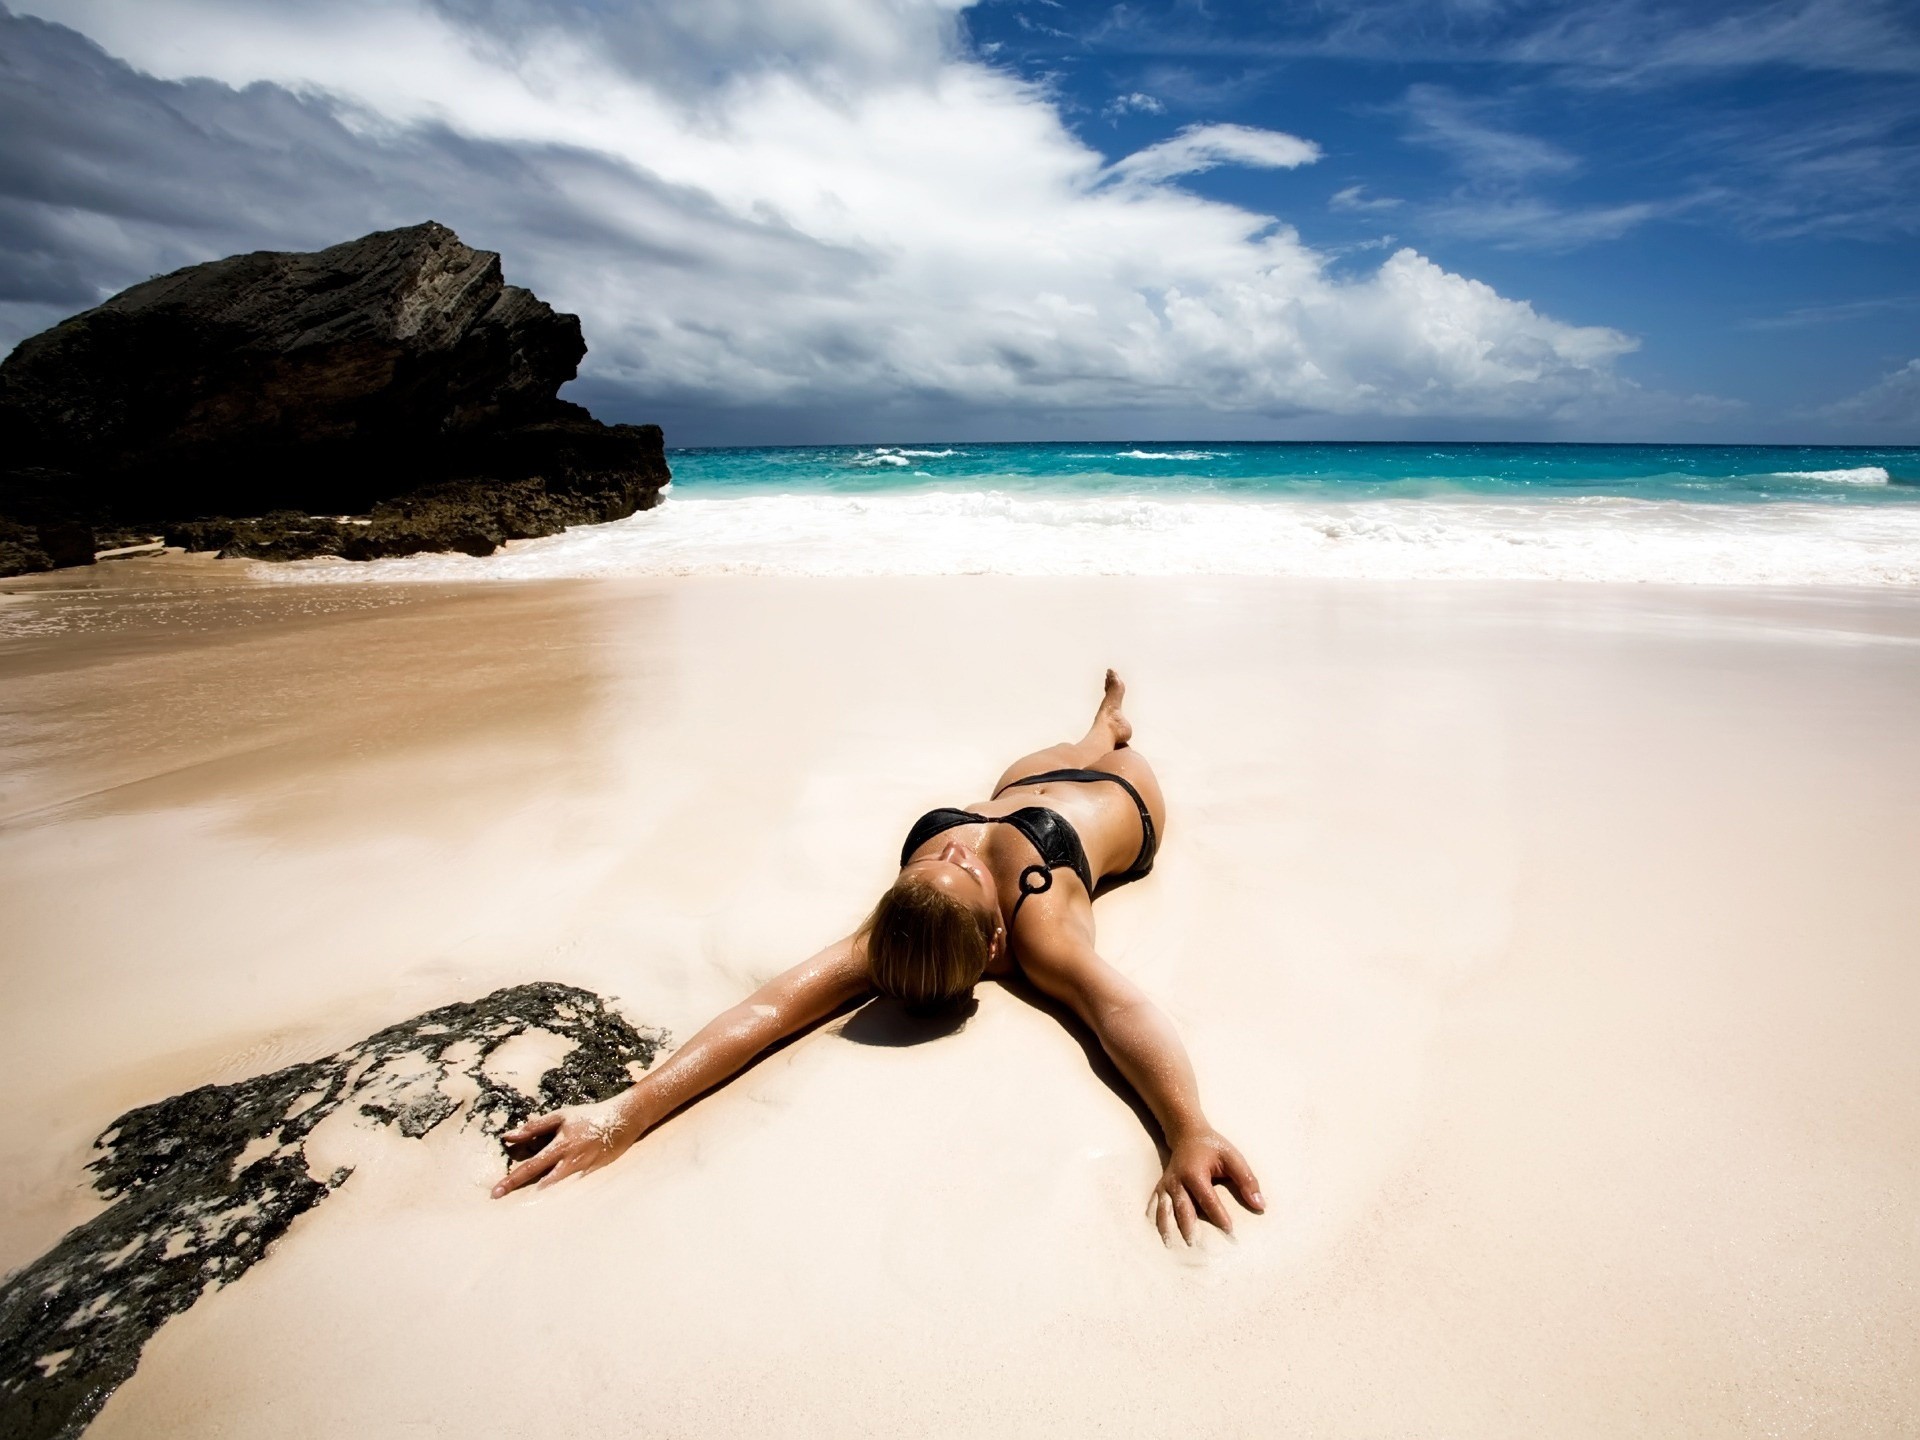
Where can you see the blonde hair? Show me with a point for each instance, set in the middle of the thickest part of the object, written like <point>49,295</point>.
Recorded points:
<point>923,946</point>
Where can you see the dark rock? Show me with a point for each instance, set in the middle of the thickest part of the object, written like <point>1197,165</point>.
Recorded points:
<point>203,534</point>
<point>120,537</point>
<point>20,551</point>
<point>26,548</point>
<point>188,1216</point>
<point>395,377</point>
<point>67,542</point>
<point>283,535</point>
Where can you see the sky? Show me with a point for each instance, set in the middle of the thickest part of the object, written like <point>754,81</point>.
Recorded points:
<point>810,221</point>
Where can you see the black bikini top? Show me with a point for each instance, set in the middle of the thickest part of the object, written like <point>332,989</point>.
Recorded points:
<point>1046,830</point>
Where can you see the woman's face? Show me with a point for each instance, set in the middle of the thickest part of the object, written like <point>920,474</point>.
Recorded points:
<point>960,873</point>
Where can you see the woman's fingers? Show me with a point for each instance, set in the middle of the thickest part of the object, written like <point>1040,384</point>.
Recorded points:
<point>1160,1207</point>
<point>1183,1213</point>
<point>1187,1189</point>
<point>534,1128</point>
<point>527,1170</point>
<point>1240,1175</point>
<point>576,1162</point>
<point>1210,1203</point>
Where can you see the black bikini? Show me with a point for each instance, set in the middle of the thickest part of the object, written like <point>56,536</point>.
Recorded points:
<point>1048,831</point>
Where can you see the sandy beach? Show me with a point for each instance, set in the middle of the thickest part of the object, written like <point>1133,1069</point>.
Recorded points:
<point>1548,948</point>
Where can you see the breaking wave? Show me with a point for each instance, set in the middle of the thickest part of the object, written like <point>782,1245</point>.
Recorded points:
<point>991,532</point>
<point>1860,475</point>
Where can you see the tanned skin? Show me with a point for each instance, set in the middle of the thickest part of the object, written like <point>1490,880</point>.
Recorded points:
<point>1052,947</point>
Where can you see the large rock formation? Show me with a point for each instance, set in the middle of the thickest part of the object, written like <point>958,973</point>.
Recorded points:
<point>396,379</point>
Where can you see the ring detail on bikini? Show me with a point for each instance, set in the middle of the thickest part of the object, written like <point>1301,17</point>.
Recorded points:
<point>1149,841</point>
<point>1053,838</point>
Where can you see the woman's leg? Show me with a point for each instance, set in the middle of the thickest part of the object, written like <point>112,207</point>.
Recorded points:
<point>1110,731</point>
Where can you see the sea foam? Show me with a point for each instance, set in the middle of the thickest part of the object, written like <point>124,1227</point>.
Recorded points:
<point>990,532</point>
<point>1859,475</point>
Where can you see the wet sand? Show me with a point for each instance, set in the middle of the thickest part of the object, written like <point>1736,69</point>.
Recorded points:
<point>1549,949</point>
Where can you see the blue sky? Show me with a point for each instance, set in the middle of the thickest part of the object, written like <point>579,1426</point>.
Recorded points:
<point>819,220</point>
<point>1738,186</point>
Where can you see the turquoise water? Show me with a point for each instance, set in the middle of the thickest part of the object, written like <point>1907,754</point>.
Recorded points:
<point>1697,474</point>
<point>1660,514</point>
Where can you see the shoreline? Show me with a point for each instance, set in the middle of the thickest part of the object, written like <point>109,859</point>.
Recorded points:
<point>1545,946</point>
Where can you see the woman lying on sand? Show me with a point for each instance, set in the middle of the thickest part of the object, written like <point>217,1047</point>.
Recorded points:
<point>1002,888</point>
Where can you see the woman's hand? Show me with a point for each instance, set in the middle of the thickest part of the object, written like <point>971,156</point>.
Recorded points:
<point>1185,1192</point>
<point>579,1138</point>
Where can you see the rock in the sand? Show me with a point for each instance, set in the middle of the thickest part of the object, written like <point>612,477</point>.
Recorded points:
<point>24,548</point>
<point>396,378</point>
<point>204,1183</point>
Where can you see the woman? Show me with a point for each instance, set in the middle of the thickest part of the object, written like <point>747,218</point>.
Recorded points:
<point>1003,888</point>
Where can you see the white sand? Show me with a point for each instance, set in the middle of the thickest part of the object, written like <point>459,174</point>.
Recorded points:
<point>1550,950</point>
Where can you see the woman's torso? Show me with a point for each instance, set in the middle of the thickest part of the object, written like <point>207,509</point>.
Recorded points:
<point>1102,815</point>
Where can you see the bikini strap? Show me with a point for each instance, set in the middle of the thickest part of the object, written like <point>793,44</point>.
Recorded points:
<point>1034,880</point>
<point>1149,842</point>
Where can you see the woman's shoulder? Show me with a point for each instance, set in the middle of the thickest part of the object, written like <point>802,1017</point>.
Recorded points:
<point>1053,946</point>
<point>1053,922</point>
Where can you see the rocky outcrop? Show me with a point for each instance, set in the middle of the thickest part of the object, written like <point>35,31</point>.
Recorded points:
<point>201,1185</point>
<point>395,379</point>
<point>44,547</point>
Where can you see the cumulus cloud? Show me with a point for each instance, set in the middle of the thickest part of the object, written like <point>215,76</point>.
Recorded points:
<point>805,206</point>
<point>1892,400</point>
<point>1135,101</point>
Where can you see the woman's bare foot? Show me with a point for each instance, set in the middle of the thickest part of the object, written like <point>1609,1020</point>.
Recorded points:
<point>1117,724</point>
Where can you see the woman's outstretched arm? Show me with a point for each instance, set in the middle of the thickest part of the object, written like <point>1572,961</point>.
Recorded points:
<point>1141,1041</point>
<point>584,1137</point>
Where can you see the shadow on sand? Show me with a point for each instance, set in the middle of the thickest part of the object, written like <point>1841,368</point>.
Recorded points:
<point>889,1023</point>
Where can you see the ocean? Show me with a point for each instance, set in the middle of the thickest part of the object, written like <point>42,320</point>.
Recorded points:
<point>1687,514</point>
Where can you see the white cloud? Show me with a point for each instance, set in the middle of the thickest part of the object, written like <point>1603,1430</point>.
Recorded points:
<point>1134,102</point>
<point>1892,400</point>
<point>1355,198</point>
<point>1205,147</point>
<point>810,204</point>
<point>1634,41</point>
<point>1595,41</point>
<point>1529,223</point>
<point>1486,151</point>
<point>1838,313</point>
<point>1499,168</point>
